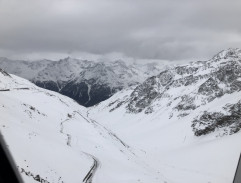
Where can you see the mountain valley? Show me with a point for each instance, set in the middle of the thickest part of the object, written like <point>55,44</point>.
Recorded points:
<point>177,124</point>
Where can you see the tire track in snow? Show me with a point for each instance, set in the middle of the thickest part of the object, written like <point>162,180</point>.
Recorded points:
<point>89,176</point>
<point>113,135</point>
<point>62,131</point>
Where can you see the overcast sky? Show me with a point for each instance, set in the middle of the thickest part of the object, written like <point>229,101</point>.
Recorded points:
<point>147,29</point>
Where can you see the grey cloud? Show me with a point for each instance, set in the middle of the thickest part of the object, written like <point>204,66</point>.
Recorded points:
<point>154,29</point>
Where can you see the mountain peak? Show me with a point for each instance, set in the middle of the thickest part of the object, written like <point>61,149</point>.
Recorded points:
<point>66,59</point>
<point>228,53</point>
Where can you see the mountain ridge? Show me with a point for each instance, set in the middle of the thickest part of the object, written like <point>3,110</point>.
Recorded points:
<point>87,82</point>
<point>185,88</point>
<point>182,125</point>
<point>186,119</point>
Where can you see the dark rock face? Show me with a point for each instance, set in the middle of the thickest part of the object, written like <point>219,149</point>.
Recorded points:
<point>4,72</point>
<point>181,70</point>
<point>186,103</point>
<point>190,80</point>
<point>209,87</point>
<point>100,93</point>
<point>210,121</point>
<point>143,95</point>
<point>78,92</point>
<point>37,177</point>
<point>84,93</point>
<point>236,86</point>
<point>50,85</point>
<point>229,73</point>
<point>147,92</point>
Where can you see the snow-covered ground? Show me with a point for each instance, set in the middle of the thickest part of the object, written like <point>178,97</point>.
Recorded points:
<point>50,136</point>
<point>170,146</point>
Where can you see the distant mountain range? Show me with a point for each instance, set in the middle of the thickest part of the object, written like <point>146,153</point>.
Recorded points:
<point>87,82</point>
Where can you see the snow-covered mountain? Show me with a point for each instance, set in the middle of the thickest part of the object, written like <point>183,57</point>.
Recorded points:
<point>53,141</point>
<point>85,81</point>
<point>180,126</point>
<point>187,119</point>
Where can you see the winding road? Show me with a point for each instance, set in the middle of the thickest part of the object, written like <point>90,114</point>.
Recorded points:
<point>89,176</point>
<point>91,173</point>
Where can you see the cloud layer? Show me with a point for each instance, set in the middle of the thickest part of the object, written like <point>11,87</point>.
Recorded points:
<point>153,29</point>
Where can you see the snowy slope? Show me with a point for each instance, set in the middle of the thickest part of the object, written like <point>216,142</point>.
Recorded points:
<point>180,126</point>
<point>52,139</point>
<point>87,82</point>
<point>187,119</point>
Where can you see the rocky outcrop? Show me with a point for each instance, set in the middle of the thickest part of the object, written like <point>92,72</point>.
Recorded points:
<point>4,73</point>
<point>36,177</point>
<point>194,85</point>
<point>146,93</point>
<point>210,121</point>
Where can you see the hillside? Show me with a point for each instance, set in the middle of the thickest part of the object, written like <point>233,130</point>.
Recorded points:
<point>53,141</point>
<point>186,119</point>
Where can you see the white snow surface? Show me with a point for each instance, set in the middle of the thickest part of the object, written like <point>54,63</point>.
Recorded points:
<point>51,136</point>
<point>170,145</point>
